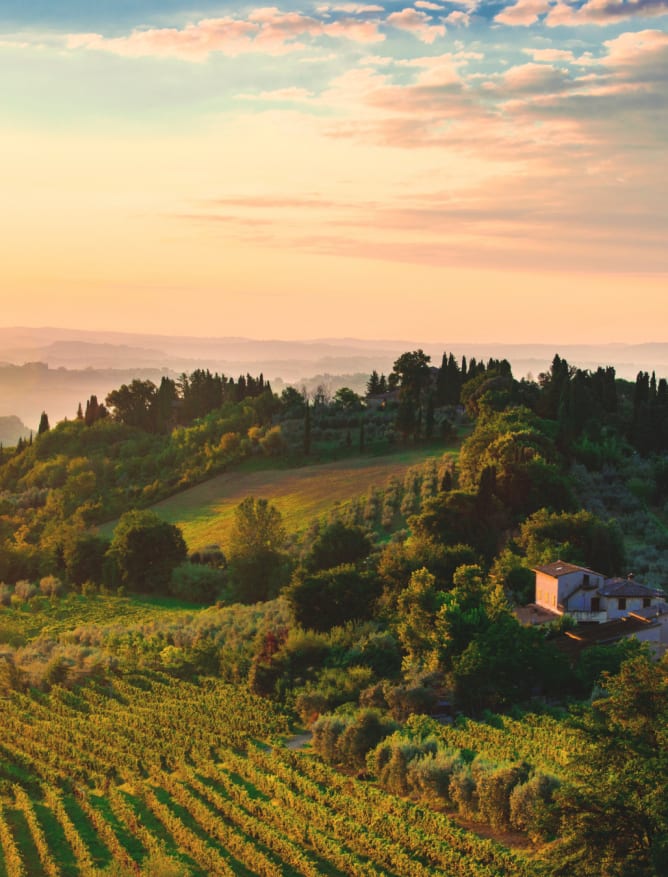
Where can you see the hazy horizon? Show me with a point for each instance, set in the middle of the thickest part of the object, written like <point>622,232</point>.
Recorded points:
<point>54,369</point>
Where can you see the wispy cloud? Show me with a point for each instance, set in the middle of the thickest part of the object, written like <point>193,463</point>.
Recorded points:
<point>604,12</point>
<point>266,29</point>
<point>291,94</point>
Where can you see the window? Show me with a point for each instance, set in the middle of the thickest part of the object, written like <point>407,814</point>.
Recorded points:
<point>595,604</point>
<point>646,602</point>
<point>621,603</point>
<point>585,580</point>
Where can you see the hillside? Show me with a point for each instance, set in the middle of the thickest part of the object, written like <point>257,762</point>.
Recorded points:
<point>205,512</point>
<point>12,429</point>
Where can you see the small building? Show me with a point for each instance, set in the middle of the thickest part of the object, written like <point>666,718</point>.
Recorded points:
<point>587,596</point>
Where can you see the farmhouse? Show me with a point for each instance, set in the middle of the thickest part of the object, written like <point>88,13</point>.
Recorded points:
<point>588,596</point>
<point>606,610</point>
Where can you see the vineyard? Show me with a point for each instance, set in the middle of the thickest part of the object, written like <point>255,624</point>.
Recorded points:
<point>544,742</point>
<point>150,775</point>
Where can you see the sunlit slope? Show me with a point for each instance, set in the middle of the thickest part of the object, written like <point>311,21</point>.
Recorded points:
<point>205,512</point>
<point>155,775</point>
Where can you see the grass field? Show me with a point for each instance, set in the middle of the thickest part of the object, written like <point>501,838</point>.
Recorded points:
<point>44,617</point>
<point>205,512</point>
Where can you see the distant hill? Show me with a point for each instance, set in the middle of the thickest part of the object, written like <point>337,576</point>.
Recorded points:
<point>12,429</point>
<point>54,369</point>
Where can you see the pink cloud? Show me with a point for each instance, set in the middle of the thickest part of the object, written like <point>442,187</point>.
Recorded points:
<point>427,4</point>
<point>354,30</point>
<point>603,12</point>
<point>458,18</point>
<point>645,48</point>
<point>194,42</point>
<point>281,94</point>
<point>523,13</point>
<point>418,23</point>
<point>550,55</point>
<point>355,8</point>
<point>267,29</point>
<point>533,78</point>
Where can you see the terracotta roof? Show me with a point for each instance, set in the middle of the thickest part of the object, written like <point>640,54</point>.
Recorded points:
<point>650,612</point>
<point>609,631</point>
<point>627,588</point>
<point>535,614</point>
<point>561,568</point>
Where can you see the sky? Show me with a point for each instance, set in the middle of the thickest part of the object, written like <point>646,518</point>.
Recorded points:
<point>441,170</point>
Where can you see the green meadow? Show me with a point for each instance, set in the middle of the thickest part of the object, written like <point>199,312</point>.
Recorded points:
<point>205,512</point>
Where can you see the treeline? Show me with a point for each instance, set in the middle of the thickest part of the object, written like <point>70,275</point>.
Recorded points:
<point>156,409</point>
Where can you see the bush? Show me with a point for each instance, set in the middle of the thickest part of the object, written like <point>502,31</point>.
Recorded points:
<point>463,793</point>
<point>199,583</point>
<point>24,589</point>
<point>348,740</point>
<point>494,786</point>
<point>50,585</point>
<point>532,807</point>
<point>430,774</point>
<point>404,701</point>
<point>326,733</point>
<point>362,735</point>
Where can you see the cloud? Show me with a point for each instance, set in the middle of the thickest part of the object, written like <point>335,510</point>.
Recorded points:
<point>418,23</point>
<point>194,42</point>
<point>458,18</point>
<point>267,29</point>
<point>550,55</point>
<point>533,78</point>
<point>281,94</point>
<point>523,13</point>
<point>645,49</point>
<point>604,12</point>
<point>353,8</point>
<point>427,4</point>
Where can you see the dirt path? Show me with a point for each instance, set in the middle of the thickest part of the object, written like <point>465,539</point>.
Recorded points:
<point>299,741</point>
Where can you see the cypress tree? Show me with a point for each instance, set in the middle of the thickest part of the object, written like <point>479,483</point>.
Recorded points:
<point>373,384</point>
<point>43,424</point>
<point>307,429</point>
<point>429,417</point>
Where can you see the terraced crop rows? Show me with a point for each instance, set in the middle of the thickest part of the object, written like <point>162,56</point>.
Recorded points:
<point>156,767</point>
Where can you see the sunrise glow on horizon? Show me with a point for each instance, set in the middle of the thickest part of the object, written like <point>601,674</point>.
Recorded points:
<point>478,171</point>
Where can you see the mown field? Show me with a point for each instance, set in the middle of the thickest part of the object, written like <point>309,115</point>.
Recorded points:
<point>205,512</point>
<point>152,775</point>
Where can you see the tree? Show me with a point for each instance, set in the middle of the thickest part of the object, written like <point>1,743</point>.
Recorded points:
<point>347,399</point>
<point>94,411</point>
<point>338,543</point>
<point>373,384</point>
<point>613,801</point>
<point>132,403</point>
<point>43,424</point>
<point>257,566</point>
<point>146,550</point>
<point>307,429</point>
<point>293,402</point>
<point>331,597</point>
<point>84,558</point>
<point>576,537</point>
<point>413,375</point>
